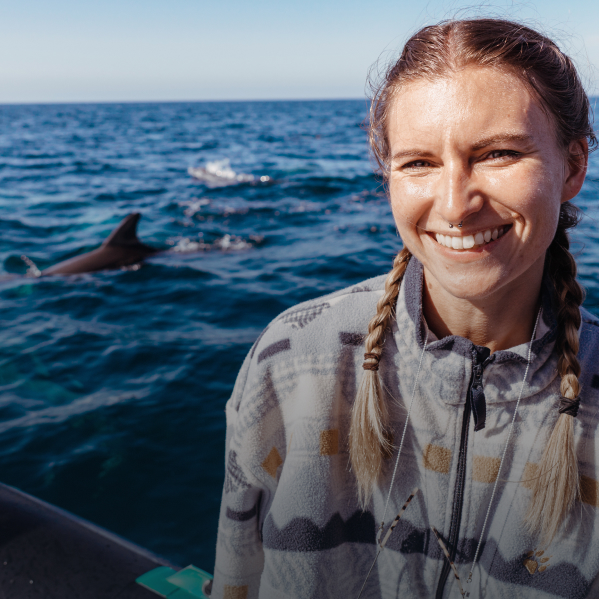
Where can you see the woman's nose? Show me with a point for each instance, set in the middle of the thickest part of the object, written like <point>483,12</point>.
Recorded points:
<point>456,198</point>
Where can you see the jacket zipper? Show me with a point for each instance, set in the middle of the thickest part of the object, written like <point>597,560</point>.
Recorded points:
<point>474,396</point>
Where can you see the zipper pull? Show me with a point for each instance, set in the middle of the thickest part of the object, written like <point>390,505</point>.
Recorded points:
<point>479,404</point>
<point>477,399</point>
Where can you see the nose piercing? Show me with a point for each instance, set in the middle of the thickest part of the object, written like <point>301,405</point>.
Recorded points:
<point>459,226</point>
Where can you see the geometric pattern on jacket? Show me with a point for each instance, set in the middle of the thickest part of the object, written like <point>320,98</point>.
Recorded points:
<point>290,524</point>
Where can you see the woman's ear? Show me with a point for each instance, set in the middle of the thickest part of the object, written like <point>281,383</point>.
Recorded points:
<point>576,165</point>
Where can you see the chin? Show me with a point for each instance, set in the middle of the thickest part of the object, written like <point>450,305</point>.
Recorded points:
<point>470,295</point>
<point>471,286</point>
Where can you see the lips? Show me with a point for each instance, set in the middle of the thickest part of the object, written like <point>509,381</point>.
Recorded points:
<point>468,242</point>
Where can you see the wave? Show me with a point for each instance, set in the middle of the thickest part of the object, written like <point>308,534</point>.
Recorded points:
<point>193,206</point>
<point>53,415</point>
<point>219,173</point>
<point>227,243</point>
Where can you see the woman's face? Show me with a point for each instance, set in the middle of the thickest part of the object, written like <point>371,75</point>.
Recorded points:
<point>475,147</point>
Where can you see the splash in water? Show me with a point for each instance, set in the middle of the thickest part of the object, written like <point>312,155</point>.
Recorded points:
<point>219,173</point>
<point>225,243</point>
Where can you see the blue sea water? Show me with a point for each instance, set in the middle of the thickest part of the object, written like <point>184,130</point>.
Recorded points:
<point>113,384</point>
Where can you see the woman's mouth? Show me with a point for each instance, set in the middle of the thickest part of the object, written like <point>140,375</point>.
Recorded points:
<point>468,242</point>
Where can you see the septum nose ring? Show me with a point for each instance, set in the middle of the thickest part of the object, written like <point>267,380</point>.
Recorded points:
<point>459,225</point>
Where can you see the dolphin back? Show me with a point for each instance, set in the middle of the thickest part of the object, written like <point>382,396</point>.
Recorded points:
<point>126,234</point>
<point>120,248</point>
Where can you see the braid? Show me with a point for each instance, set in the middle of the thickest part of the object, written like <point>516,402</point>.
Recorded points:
<point>557,486</point>
<point>368,436</point>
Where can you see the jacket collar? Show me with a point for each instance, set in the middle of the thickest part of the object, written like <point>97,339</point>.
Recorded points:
<point>448,362</point>
<point>413,282</point>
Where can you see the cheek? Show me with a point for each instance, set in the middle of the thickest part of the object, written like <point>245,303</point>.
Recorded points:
<point>409,201</point>
<point>533,197</point>
<point>517,186</point>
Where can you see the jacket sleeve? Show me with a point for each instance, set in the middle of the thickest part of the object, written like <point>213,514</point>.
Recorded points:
<point>239,553</point>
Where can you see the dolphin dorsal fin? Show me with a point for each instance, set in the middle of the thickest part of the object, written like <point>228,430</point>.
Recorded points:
<point>126,232</point>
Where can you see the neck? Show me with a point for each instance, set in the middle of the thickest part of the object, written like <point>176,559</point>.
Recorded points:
<point>499,321</point>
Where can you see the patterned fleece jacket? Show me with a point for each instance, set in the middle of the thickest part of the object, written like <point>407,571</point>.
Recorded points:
<point>290,524</point>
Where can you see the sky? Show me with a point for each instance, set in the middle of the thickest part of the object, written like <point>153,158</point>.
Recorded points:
<point>181,50</point>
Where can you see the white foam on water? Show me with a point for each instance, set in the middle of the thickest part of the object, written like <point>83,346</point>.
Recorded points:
<point>232,243</point>
<point>219,173</point>
<point>194,206</point>
<point>227,243</point>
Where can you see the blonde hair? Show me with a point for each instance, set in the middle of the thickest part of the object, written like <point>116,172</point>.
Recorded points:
<point>557,484</point>
<point>369,437</point>
<point>552,79</point>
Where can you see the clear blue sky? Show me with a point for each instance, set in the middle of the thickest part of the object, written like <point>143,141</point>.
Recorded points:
<point>127,50</point>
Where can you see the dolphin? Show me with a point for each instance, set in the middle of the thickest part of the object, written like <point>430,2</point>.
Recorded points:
<point>121,248</point>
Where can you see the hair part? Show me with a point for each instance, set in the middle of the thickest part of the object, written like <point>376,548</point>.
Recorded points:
<point>550,76</point>
<point>439,50</point>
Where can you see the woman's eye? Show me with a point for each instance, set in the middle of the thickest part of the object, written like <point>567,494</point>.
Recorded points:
<point>496,154</point>
<point>417,164</point>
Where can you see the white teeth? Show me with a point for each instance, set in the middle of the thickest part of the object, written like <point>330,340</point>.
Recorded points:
<point>457,243</point>
<point>469,241</point>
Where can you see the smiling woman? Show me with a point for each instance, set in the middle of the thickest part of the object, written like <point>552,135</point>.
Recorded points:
<point>497,167</point>
<point>476,358</point>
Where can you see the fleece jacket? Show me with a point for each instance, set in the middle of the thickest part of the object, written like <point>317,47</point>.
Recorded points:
<point>290,522</point>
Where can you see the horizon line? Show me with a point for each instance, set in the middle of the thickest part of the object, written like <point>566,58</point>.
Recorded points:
<point>76,102</point>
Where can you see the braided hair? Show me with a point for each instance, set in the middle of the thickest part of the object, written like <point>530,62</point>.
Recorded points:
<point>556,485</point>
<point>369,433</point>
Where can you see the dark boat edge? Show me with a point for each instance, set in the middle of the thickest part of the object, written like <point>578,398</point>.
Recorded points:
<point>47,552</point>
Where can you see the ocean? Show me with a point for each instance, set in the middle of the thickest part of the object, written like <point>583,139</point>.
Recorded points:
<point>113,384</point>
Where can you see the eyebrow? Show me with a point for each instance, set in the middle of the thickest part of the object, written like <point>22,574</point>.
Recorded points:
<point>500,139</point>
<point>414,152</point>
<point>479,145</point>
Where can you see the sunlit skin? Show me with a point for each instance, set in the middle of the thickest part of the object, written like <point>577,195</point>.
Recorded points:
<point>474,146</point>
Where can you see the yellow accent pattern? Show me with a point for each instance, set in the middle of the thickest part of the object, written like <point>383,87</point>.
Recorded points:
<point>437,458</point>
<point>531,565</point>
<point>531,472</point>
<point>485,469</point>
<point>232,592</point>
<point>271,464</point>
<point>589,490</point>
<point>533,559</point>
<point>329,442</point>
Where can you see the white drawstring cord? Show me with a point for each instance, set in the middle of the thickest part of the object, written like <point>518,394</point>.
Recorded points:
<point>480,540</point>
<point>384,541</point>
<point>403,436</point>
<point>405,427</point>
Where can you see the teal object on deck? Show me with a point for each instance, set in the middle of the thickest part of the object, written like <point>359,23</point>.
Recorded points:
<point>189,583</point>
<point>156,580</point>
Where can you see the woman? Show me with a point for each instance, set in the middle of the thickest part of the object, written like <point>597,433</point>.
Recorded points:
<point>460,373</point>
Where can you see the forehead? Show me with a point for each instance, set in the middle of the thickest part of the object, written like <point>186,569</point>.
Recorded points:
<point>465,105</point>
